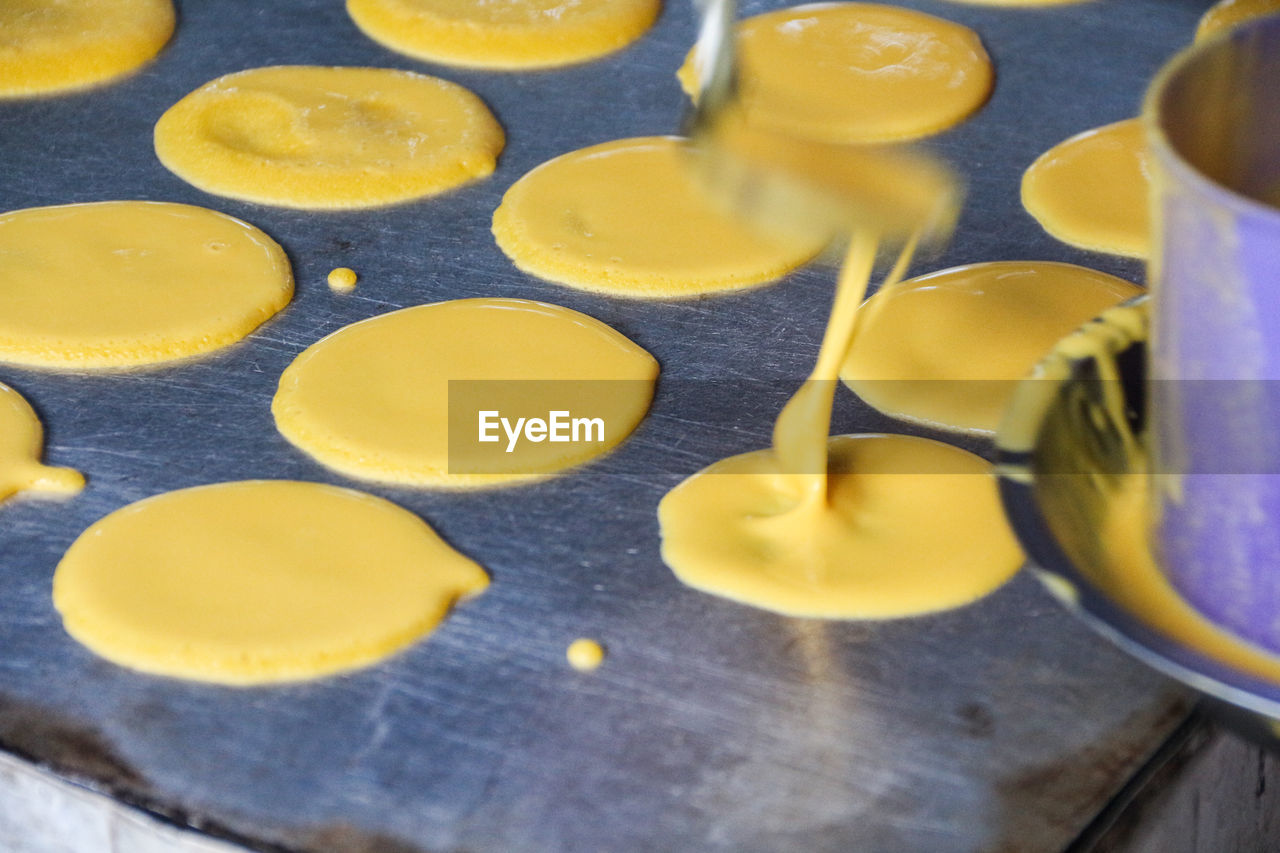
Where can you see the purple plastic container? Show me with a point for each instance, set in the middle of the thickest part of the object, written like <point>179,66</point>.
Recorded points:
<point>1213,123</point>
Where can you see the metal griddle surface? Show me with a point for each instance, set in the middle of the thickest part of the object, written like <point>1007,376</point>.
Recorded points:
<point>712,726</point>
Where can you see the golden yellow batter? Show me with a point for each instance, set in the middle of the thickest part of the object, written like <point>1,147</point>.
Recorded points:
<point>403,397</point>
<point>628,218</point>
<point>342,279</point>
<point>1228,13</point>
<point>21,445</point>
<point>1132,579</point>
<point>49,46</point>
<point>1091,190</point>
<point>947,348</point>
<point>313,137</point>
<point>504,33</point>
<point>906,526</point>
<point>1126,571</point>
<point>122,283</point>
<point>258,581</point>
<point>871,526</point>
<point>585,655</point>
<point>856,72</point>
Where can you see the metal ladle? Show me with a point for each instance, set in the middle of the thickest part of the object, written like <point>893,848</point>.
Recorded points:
<point>788,184</point>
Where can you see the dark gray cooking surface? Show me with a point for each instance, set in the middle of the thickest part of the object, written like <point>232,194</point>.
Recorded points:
<point>712,726</point>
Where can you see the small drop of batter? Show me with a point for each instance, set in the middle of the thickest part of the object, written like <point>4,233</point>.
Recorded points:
<point>856,72</point>
<point>21,446</point>
<point>404,397</point>
<point>258,581</point>
<point>504,34</point>
<point>628,218</point>
<point>585,655</point>
<point>1230,13</point>
<point>122,283</point>
<point>315,137</point>
<point>53,46</point>
<point>342,280</point>
<point>1091,190</point>
<point>948,348</point>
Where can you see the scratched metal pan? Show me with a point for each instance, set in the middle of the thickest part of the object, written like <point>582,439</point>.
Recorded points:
<point>711,726</point>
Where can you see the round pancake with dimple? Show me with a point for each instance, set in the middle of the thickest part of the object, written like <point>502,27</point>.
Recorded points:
<point>504,33</point>
<point>315,137</point>
<point>49,46</point>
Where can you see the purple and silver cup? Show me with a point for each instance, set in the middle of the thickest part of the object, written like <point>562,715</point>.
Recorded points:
<point>1213,124</point>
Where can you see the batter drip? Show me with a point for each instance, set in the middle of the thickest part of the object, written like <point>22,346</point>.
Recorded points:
<point>870,526</point>
<point>585,655</point>
<point>342,280</point>
<point>21,445</point>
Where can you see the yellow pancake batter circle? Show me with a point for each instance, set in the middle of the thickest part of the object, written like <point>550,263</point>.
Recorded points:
<point>406,397</point>
<point>905,526</point>
<point>629,218</point>
<point>856,72</point>
<point>120,283</point>
<point>21,446</point>
<point>948,348</point>
<point>258,581</point>
<point>504,33</point>
<point>1091,190</point>
<point>49,46</point>
<point>315,137</point>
